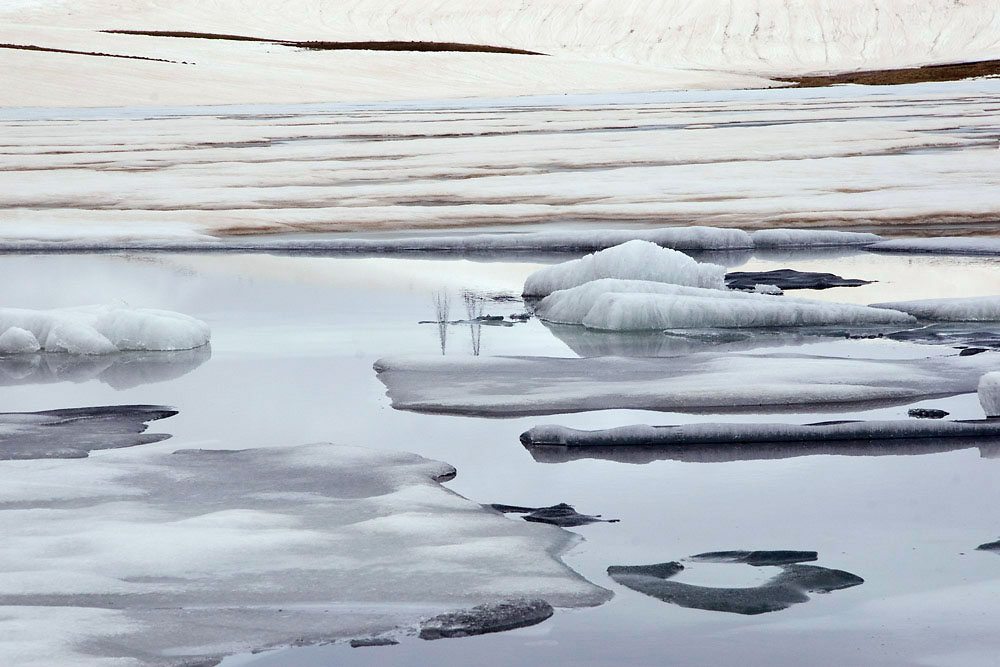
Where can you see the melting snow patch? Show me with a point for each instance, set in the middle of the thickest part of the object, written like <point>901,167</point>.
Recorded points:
<point>95,330</point>
<point>635,260</point>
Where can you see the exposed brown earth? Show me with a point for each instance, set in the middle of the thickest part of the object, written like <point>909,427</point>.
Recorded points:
<point>336,46</point>
<point>891,77</point>
<point>32,47</point>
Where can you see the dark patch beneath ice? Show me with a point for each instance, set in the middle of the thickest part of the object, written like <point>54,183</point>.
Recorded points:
<point>789,279</point>
<point>969,351</point>
<point>780,592</point>
<point>558,515</point>
<point>756,558</point>
<point>927,413</point>
<point>373,641</point>
<point>73,433</point>
<point>964,335</point>
<point>990,546</point>
<point>500,616</point>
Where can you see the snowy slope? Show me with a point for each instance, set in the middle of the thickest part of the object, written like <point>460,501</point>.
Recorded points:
<point>594,45</point>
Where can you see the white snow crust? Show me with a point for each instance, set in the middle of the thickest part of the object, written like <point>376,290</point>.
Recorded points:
<point>510,386</point>
<point>593,45</point>
<point>634,260</point>
<point>989,393</point>
<point>631,305</point>
<point>98,330</point>
<point>967,309</point>
<point>203,553</point>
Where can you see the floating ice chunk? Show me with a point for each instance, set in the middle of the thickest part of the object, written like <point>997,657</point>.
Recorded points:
<point>635,260</point>
<point>642,312</point>
<point>943,245</point>
<point>212,552</point>
<point>969,309</point>
<point>989,394</point>
<point>741,434</point>
<point>635,305</point>
<point>761,288</point>
<point>810,238</point>
<point>16,340</point>
<point>96,330</point>
<point>510,386</point>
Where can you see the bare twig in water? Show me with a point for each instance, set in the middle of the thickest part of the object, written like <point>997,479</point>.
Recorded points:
<point>442,305</point>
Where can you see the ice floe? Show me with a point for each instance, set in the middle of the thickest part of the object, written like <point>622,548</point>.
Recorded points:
<point>810,238</point>
<point>97,330</point>
<point>634,260</point>
<point>989,393</point>
<point>968,309</point>
<point>942,245</point>
<point>740,434</point>
<point>509,386</point>
<point>72,433</point>
<point>192,555</point>
<point>632,305</point>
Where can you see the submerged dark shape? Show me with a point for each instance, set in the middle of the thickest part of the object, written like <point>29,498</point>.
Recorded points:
<point>927,413</point>
<point>756,558</point>
<point>789,279</point>
<point>780,592</point>
<point>969,351</point>
<point>962,335</point>
<point>373,641</point>
<point>499,616</point>
<point>990,546</point>
<point>73,433</point>
<point>562,515</point>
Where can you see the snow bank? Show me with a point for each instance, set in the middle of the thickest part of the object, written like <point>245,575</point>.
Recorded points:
<point>512,386</point>
<point>809,238</point>
<point>989,393</point>
<point>632,305</point>
<point>943,245</point>
<point>969,309</point>
<point>634,260</point>
<point>96,330</point>
<point>212,552</point>
<point>738,434</point>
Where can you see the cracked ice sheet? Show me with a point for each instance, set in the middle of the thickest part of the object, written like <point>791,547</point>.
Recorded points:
<point>520,386</point>
<point>159,558</point>
<point>924,154</point>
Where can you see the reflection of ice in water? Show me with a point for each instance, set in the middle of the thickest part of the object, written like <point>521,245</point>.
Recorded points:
<point>120,371</point>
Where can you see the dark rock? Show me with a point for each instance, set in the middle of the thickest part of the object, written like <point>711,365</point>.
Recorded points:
<point>373,641</point>
<point>72,433</point>
<point>927,413</point>
<point>489,318</point>
<point>558,515</point>
<point>658,570</point>
<point>500,616</point>
<point>990,546</point>
<point>969,351</point>
<point>756,558</point>
<point>780,592</point>
<point>520,317</point>
<point>789,279</point>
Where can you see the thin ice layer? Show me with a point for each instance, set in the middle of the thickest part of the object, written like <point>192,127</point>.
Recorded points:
<point>510,386</point>
<point>942,245</point>
<point>202,553</point>
<point>968,309</point>
<point>810,238</point>
<point>634,260</point>
<point>95,330</point>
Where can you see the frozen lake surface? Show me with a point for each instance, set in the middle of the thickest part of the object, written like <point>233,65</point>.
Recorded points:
<point>293,343</point>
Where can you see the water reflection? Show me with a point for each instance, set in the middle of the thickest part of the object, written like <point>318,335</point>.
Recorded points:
<point>124,370</point>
